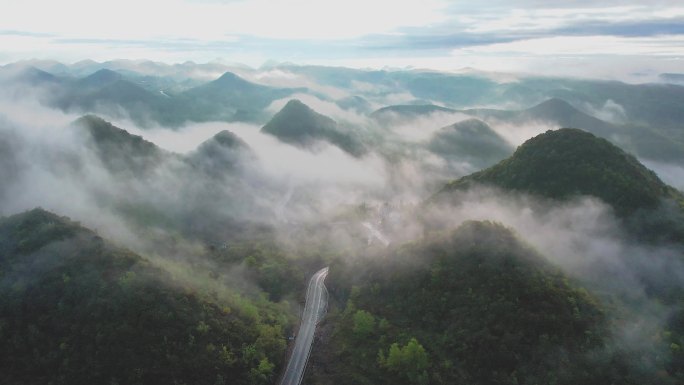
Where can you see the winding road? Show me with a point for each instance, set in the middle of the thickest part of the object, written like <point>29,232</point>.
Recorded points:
<point>314,309</point>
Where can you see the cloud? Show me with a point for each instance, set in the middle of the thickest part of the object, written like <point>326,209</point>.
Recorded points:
<point>671,45</point>
<point>610,112</point>
<point>292,20</point>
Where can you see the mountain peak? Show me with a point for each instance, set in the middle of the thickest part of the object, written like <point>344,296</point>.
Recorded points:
<point>298,124</point>
<point>102,76</point>
<point>471,140</point>
<point>233,80</point>
<point>228,139</point>
<point>118,149</point>
<point>568,162</point>
<point>297,105</point>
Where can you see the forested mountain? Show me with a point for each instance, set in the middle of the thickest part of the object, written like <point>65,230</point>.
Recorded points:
<point>568,163</point>
<point>471,141</point>
<point>119,150</point>
<point>78,310</point>
<point>473,305</point>
<point>298,124</point>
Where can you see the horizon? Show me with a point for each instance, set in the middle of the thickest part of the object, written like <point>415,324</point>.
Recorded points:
<point>632,42</point>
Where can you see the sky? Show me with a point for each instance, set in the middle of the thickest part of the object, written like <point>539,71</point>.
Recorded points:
<point>573,37</point>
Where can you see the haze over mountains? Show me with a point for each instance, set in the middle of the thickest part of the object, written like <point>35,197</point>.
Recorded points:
<point>160,222</point>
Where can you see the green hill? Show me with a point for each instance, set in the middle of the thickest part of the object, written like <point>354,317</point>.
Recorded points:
<point>298,124</point>
<point>474,306</point>
<point>220,154</point>
<point>472,141</point>
<point>119,150</point>
<point>77,310</point>
<point>570,162</point>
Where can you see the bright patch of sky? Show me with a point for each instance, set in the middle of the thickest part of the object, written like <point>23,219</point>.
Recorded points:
<point>518,35</point>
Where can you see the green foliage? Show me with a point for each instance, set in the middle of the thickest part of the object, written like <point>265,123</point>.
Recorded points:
<point>262,374</point>
<point>364,323</point>
<point>471,141</point>
<point>298,124</point>
<point>409,362</point>
<point>77,310</point>
<point>486,309</point>
<point>570,162</point>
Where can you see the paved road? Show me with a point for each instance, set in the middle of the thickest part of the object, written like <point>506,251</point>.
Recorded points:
<point>316,302</point>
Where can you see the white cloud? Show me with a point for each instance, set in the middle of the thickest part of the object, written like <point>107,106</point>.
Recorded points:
<point>296,19</point>
<point>583,45</point>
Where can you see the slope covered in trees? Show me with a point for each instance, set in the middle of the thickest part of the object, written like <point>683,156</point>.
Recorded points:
<point>569,162</point>
<point>77,310</point>
<point>475,306</point>
<point>299,125</point>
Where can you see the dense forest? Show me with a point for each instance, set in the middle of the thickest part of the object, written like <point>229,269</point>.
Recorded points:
<point>78,310</point>
<point>472,305</point>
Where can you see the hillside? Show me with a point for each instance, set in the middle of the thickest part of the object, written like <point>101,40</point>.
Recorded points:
<point>119,150</point>
<point>298,124</point>
<point>229,98</point>
<point>78,310</point>
<point>220,154</point>
<point>472,306</point>
<point>570,162</point>
<point>646,141</point>
<point>471,141</point>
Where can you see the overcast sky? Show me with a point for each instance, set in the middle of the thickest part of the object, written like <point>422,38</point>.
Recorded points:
<point>577,37</point>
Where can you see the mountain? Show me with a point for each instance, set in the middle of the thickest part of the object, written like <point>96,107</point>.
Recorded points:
<point>230,98</point>
<point>570,162</point>
<point>471,306</point>
<point>471,141</point>
<point>555,111</point>
<point>29,75</point>
<point>297,124</point>
<point>79,310</point>
<point>645,141</point>
<point>119,150</point>
<point>400,113</point>
<point>100,78</point>
<point>109,93</point>
<point>221,154</point>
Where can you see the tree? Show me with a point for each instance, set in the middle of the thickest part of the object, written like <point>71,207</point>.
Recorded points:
<point>409,362</point>
<point>364,323</point>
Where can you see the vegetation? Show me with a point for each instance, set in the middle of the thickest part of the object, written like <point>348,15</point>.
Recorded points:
<point>471,141</point>
<point>77,310</point>
<point>119,150</point>
<point>473,306</point>
<point>298,124</point>
<point>570,162</point>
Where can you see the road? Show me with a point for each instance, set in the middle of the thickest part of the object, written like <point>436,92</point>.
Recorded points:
<point>314,309</point>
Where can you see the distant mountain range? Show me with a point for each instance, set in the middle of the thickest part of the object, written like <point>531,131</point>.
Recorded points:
<point>228,98</point>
